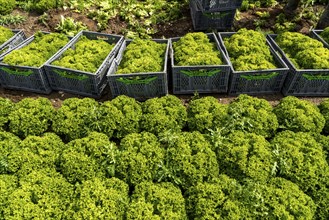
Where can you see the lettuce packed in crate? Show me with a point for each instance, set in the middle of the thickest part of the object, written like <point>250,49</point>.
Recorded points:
<point>142,56</point>
<point>88,55</point>
<point>38,51</point>
<point>196,49</point>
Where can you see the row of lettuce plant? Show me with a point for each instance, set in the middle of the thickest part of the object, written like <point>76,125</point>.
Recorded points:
<point>122,159</point>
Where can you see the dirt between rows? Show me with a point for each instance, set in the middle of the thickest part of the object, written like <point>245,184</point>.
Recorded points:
<point>57,97</point>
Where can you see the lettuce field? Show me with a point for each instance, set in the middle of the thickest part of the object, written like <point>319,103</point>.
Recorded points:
<point>195,157</point>
<point>162,159</point>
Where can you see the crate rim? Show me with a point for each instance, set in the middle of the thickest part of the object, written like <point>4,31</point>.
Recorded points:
<point>16,66</point>
<point>212,10</point>
<point>317,30</point>
<point>282,63</point>
<point>316,33</point>
<point>174,39</point>
<point>117,63</point>
<point>95,32</point>
<point>16,33</point>
<point>75,40</point>
<point>23,44</point>
<point>272,40</point>
<point>72,70</point>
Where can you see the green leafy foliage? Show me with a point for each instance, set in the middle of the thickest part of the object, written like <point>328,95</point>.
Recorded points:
<point>301,159</point>
<point>7,6</point>
<point>108,119</point>
<point>252,62</point>
<point>246,155</point>
<point>78,117</point>
<point>245,42</point>
<point>249,4</point>
<point>142,16</point>
<point>8,143</point>
<point>324,141</point>
<point>249,178</point>
<point>35,153</point>
<point>196,49</point>
<point>79,5</point>
<point>248,50</point>
<point>156,201</point>
<point>38,51</point>
<point>324,109</point>
<point>313,58</point>
<point>292,42</point>
<point>325,34</point>
<point>283,23</point>
<point>214,200</point>
<point>105,10</point>
<point>12,19</point>
<point>321,199</point>
<point>299,115</point>
<point>251,114</point>
<point>303,51</point>
<point>205,114</point>
<point>75,118</point>
<point>87,158</point>
<point>143,56</point>
<point>8,184</point>
<point>139,158</point>
<point>99,199</point>
<point>189,160</point>
<point>5,33</point>
<point>132,114</point>
<point>31,117</point>
<point>69,26</point>
<point>6,106</point>
<point>225,198</point>
<point>40,195</point>
<point>279,199</point>
<point>41,6</point>
<point>163,114</point>
<point>87,55</point>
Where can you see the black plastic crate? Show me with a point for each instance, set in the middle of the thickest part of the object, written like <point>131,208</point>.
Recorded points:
<point>24,78</point>
<point>216,5</point>
<point>256,82</point>
<point>302,82</point>
<point>13,42</point>
<point>316,34</point>
<point>205,20</point>
<point>201,79</point>
<point>140,86</point>
<point>80,82</point>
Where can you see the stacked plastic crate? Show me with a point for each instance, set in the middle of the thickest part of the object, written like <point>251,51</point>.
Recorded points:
<point>213,14</point>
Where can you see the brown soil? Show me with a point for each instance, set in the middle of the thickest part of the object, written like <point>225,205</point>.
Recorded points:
<point>116,26</point>
<point>34,23</point>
